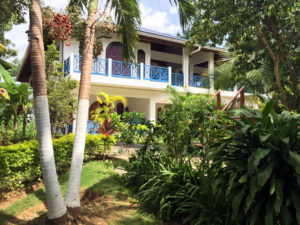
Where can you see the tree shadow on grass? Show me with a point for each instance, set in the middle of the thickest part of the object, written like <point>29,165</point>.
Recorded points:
<point>9,219</point>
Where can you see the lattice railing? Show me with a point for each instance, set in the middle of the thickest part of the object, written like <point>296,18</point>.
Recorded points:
<point>156,73</point>
<point>67,67</point>
<point>99,65</point>
<point>92,127</point>
<point>178,79</point>
<point>199,81</point>
<point>125,70</point>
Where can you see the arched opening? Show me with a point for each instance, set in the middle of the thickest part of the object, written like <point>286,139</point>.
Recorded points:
<point>114,51</point>
<point>141,57</point>
<point>92,108</point>
<point>120,108</point>
<point>159,113</point>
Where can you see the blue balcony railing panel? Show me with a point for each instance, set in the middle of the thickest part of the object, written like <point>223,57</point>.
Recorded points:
<point>125,70</point>
<point>92,127</point>
<point>99,66</point>
<point>199,81</point>
<point>66,66</point>
<point>156,73</point>
<point>177,79</point>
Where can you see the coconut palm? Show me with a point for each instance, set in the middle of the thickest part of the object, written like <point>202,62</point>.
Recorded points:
<point>55,204</point>
<point>127,15</point>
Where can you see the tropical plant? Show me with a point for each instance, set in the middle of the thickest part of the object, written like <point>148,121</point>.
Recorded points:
<point>55,204</point>
<point>258,166</point>
<point>103,114</point>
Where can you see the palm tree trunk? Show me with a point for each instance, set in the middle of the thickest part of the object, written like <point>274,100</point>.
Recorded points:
<point>15,125</point>
<point>24,123</point>
<point>55,204</point>
<point>72,198</point>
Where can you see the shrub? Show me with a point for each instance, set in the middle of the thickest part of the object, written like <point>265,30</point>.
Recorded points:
<point>173,189</point>
<point>258,167</point>
<point>132,126</point>
<point>20,163</point>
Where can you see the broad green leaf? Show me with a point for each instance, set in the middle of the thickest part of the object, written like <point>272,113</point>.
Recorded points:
<point>264,175</point>
<point>269,213</point>
<point>279,195</point>
<point>255,158</point>
<point>236,202</point>
<point>268,108</point>
<point>286,217</point>
<point>243,179</point>
<point>253,186</point>
<point>294,160</point>
<point>296,202</point>
<point>264,137</point>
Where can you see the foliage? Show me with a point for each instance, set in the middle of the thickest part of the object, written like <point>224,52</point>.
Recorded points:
<point>132,126</point>
<point>56,25</point>
<point>20,162</point>
<point>258,167</point>
<point>19,103</point>
<point>103,114</point>
<point>173,189</point>
<point>60,90</point>
<point>257,31</point>
<point>189,111</point>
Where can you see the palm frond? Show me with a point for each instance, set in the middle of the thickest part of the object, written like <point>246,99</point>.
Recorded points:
<point>83,4</point>
<point>128,18</point>
<point>105,97</point>
<point>186,11</point>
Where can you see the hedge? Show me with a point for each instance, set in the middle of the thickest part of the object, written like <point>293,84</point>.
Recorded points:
<point>20,163</point>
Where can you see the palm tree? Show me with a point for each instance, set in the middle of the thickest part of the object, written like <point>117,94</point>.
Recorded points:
<point>127,16</point>
<point>56,207</point>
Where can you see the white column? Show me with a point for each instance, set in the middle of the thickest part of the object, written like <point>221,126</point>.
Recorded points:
<point>142,71</point>
<point>170,75</point>
<point>152,110</point>
<point>185,66</point>
<point>211,64</point>
<point>71,62</point>
<point>109,67</point>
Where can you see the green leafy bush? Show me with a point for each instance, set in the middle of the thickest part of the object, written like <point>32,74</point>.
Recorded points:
<point>258,167</point>
<point>173,189</point>
<point>20,163</point>
<point>132,126</point>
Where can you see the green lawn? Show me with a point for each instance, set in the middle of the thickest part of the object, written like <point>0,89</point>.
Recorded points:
<point>103,195</point>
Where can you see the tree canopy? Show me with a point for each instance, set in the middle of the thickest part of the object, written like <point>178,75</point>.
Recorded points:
<point>257,31</point>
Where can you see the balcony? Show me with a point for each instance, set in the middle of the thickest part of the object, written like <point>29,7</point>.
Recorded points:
<point>118,69</point>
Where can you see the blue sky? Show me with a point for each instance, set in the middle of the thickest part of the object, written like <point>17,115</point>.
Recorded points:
<point>157,15</point>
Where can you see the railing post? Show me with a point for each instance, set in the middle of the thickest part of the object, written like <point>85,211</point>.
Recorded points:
<point>71,67</point>
<point>170,75</point>
<point>219,100</point>
<point>242,98</point>
<point>142,71</point>
<point>109,67</point>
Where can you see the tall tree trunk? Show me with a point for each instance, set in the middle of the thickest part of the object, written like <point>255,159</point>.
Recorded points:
<point>72,198</point>
<point>15,124</point>
<point>55,204</point>
<point>24,123</point>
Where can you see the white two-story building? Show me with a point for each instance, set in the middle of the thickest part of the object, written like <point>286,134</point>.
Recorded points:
<point>162,61</point>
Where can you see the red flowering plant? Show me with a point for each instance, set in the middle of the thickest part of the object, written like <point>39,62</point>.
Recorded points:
<point>57,26</point>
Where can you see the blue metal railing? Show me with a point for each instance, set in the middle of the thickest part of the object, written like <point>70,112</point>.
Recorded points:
<point>199,81</point>
<point>92,127</point>
<point>156,73</point>
<point>177,79</point>
<point>125,70</point>
<point>66,67</point>
<point>99,66</point>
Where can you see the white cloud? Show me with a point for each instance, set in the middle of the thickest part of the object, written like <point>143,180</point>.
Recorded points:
<point>158,21</point>
<point>173,10</point>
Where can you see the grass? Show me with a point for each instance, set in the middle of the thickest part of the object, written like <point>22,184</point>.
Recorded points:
<point>109,198</point>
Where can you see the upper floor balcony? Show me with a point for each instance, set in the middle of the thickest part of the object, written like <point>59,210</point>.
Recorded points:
<point>104,70</point>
